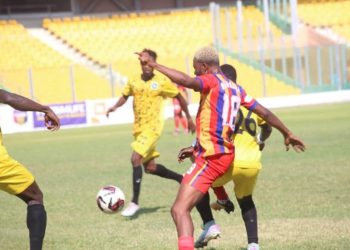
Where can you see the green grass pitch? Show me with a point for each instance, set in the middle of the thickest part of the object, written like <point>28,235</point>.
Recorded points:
<point>303,200</point>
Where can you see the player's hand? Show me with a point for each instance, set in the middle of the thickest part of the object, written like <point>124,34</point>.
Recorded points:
<point>260,142</point>
<point>52,122</point>
<point>185,153</point>
<point>111,109</point>
<point>297,144</point>
<point>191,125</point>
<point>145,58</point>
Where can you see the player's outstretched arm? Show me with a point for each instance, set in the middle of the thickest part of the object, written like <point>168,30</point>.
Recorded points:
<point>274,121</point>
<point>122,100</point>
<point>184,106</point>
<point>174,75</point>
<point>22,103</point>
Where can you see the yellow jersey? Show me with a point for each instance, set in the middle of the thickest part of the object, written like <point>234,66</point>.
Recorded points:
<point>247,153</point>
<point>148,101</point>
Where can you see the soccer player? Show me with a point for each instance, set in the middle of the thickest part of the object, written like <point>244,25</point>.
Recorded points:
<point>243,172</point>
<point>215,123</point>
<point>149,92</point>
<point>15,179</point>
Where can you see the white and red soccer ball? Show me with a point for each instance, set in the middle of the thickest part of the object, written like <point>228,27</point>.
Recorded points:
<point>110,199</point>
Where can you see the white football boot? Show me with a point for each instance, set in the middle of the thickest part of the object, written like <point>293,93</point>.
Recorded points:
<point>130,210</point>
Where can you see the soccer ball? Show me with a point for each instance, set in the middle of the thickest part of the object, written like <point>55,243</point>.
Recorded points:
<point>110,199</point>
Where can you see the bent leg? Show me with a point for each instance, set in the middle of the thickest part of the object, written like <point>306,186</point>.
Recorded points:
<point>158,169</point>
<point>186,199</point>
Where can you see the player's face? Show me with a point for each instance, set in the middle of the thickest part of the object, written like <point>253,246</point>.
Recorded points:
<point>199,68</point>
<point>146,69</point>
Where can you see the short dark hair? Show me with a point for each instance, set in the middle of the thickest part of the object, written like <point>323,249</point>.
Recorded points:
<point>229,71</point>
<point>152,53</point>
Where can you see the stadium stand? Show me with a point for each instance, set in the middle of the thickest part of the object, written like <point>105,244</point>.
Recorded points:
<point>252,19</point>
<point>335,15</point>
<point>50,71</point>
<point>251,80</point>
<point>113,40</point>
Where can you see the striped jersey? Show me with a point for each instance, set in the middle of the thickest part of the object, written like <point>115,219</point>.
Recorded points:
<point>216,117</point>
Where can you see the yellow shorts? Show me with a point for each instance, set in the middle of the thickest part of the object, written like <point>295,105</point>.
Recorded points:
<point>244,180</point>
<point>145,145</point>
<point>14,177</point>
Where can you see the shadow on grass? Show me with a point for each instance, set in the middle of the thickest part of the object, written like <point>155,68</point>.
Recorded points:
<point>145,210</point>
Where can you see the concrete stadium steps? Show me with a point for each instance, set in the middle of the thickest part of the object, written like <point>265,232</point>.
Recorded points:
<point>43,70</point>
<point>335,16</point>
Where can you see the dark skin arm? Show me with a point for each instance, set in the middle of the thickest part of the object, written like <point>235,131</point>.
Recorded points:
<point>265,133</point>
<point>174,75</point>
<point>274,121</point>
<point>122,100</point>
<point>22,103</point>
<point>183,104</point>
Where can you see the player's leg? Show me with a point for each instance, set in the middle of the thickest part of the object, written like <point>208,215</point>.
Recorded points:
<point>249,215</point>
<point>17,180</point>
<point>245,180</point>
<point>210,229</point>
<point>223,201</point>
<point>200,177</point>
<point>149,153</point>
<point>186,199</point>
<point>151,167</point>
<point>133,206</point>
<point>36,215</point>
<point>177,117</point>
<point>177,124</point>
<point>143,148</point>
<point>184,122</point>
<point>136,161</point>
<point>144,151</point>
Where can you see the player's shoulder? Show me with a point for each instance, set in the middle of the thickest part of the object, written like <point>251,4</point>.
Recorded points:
<point>160,78</point>
<point>243,92</point>
<point>135,78</point>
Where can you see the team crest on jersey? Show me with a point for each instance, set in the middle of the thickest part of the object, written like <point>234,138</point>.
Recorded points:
<point>154,86</point>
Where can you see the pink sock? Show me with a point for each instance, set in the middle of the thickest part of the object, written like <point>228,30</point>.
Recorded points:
<point>186,243</point>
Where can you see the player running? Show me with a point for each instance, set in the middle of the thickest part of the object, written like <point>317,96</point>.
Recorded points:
<point>149,92</point>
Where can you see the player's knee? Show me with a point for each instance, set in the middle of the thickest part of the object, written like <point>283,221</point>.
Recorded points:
<point>150,169</point>
<point>38,196</point>
<point>177,211</point>
<point>173,212</point>
<point>136,160</point>
<point>246,203</point>
<point>32,195</point>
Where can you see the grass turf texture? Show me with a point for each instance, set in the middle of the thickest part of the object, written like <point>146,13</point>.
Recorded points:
<point>303,200</point>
